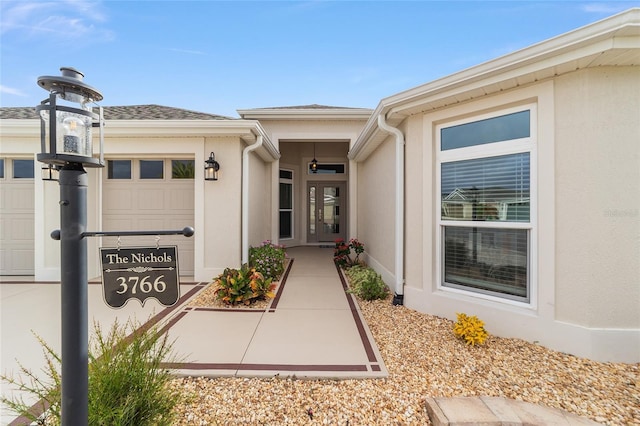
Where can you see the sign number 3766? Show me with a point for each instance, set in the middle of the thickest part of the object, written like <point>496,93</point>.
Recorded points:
<point>140,273</point>
<point>144,285</point>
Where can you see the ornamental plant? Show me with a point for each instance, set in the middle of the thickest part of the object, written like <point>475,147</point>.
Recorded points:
<point>366,283</point>
<point>243,286</point>
<point>127,384</point>
<point>342,253</point>
<point>268,259</point>
<point>470,329</point>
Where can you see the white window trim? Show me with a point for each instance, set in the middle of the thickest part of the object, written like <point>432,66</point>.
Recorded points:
<point>482,151</point>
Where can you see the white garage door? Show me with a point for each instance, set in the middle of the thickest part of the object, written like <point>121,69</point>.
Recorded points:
<point>16,217</point>
<point>146,195</point>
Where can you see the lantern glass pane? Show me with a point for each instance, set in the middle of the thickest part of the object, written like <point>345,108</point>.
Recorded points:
<point>73,134</point>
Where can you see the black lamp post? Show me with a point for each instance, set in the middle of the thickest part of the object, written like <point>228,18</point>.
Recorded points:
<point>66,145</point>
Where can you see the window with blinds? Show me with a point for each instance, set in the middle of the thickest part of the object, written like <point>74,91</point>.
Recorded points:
<point>485,205</point>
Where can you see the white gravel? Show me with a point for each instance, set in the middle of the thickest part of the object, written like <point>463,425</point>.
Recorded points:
<point>424,359</point>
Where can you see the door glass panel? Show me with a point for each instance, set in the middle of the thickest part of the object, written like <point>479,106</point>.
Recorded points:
<point>312,210</point>
<point>331,210</point>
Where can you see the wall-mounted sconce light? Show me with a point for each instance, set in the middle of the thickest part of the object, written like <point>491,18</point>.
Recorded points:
<point>211,167</point>
<point>314,162</point>
<point>51,172</point>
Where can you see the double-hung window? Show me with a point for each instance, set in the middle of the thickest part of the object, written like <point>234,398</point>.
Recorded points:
<point>486,204</point>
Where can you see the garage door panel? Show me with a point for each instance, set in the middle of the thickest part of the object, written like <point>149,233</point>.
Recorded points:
<point>22,259</point>
<point>17,227</point>
<point>111,223</point>
<point>150,223</point>
<point>149,205</point>
<point>19,197</point>
<point>118,200</point>
<point>180,197</point>
<point>152,199</point>
<point>21,230</point>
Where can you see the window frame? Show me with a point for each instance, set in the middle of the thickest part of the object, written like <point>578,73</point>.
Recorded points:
<point>493,149</point>
<point>187,162</point>
<point>14,169</point>
<point>110,169</point>
<point>288,181</point>
<point>321,172</point>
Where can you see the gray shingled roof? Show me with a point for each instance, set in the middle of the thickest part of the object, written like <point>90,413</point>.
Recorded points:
<point>130,112</point>
<point>312,106</point>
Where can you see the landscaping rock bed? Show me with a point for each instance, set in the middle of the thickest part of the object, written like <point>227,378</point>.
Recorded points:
<point>424,359</point>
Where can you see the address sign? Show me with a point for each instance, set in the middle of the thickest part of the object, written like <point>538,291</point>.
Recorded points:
<point>140,273</point>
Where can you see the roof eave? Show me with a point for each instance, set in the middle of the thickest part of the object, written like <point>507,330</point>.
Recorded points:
<point>247,130</point>
<point>306,114</point>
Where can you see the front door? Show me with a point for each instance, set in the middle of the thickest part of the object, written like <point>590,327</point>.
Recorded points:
<point>327,212</point>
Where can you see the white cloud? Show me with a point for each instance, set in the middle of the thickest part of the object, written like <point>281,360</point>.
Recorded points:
<point>11,91</point>
<point>77,19</point>
<point>606,8</point>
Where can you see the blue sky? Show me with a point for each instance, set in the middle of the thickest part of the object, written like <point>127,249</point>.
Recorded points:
<point>217,57</point>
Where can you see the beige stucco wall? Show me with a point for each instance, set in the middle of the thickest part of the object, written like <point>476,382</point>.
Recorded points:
<point>598,197</point>
<point>376,208</point>
<point>222,203</point>
<point>300,129</point>
<point>259,200</point>
<point>418,219</point>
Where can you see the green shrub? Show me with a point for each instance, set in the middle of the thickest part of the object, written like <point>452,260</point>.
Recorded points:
<point>127,386</point>
<point>268,259</point>
<point>366,283</point>
<point>244,285</point>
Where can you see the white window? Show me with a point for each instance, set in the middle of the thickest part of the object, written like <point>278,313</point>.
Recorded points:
<point>183,169</point>
<point>486,204</point>
<point>119,169</point>
<point>286,204</point>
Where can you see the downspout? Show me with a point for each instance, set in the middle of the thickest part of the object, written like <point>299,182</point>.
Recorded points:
<point>245,197</point>
<point>398,297</point>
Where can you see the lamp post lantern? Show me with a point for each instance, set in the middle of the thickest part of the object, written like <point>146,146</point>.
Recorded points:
<point>66,146</point>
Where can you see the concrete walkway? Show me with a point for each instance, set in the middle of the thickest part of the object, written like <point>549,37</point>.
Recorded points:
<point>312,329</point>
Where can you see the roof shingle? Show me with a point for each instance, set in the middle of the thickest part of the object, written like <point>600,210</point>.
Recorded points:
<point>129,112</point>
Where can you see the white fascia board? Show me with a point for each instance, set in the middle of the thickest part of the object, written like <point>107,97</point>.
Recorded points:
<point>306,113</point>
<point>247,130</point>
<point>20,127</point>
<point>176,127</point>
